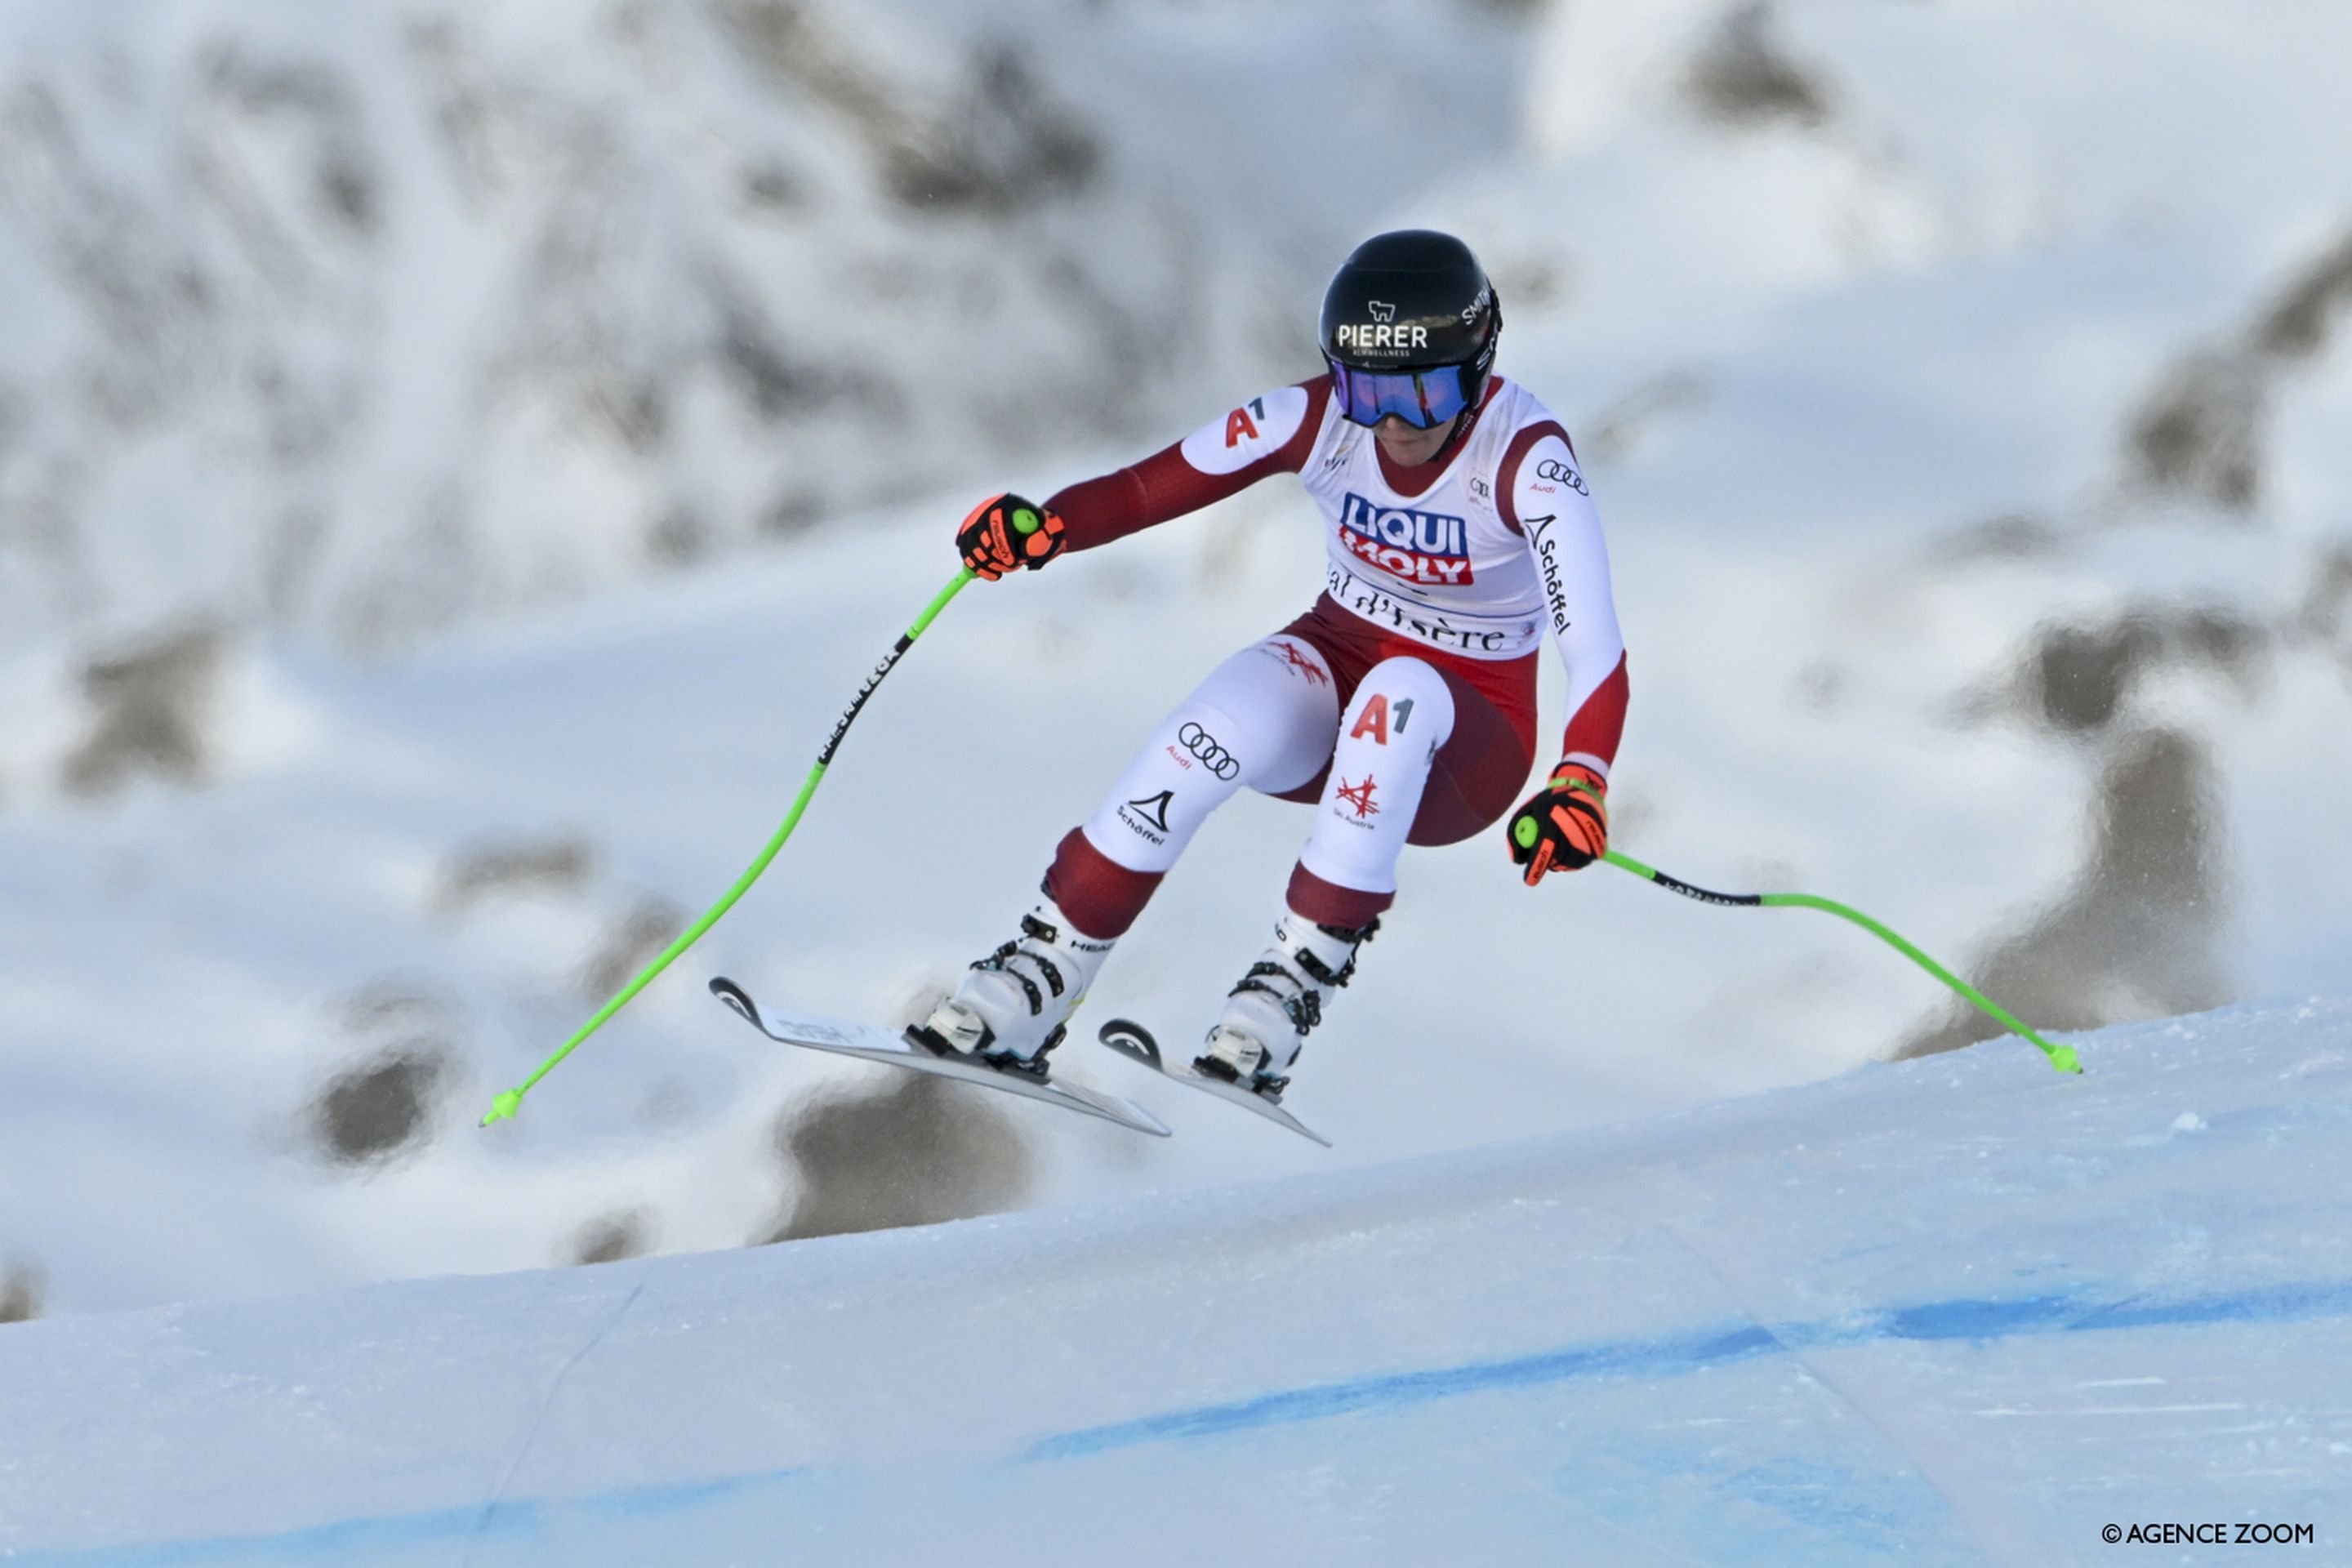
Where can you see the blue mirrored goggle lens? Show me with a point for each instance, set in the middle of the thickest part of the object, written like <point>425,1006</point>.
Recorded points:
<point>1422,398</point>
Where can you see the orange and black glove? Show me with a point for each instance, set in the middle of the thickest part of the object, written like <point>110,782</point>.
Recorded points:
<point>1006,531</point>
<point>1564,826</point>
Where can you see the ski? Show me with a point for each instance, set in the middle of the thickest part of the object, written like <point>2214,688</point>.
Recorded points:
<point>1133,1041</point>
<point>872,1043</point>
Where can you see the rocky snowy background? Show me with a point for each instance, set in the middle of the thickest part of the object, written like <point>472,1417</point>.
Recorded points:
<point>456,461</point>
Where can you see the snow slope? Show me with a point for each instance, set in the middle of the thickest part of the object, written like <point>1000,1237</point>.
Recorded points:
<point>1956,1311</point>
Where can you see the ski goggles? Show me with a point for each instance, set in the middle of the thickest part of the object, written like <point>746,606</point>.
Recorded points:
<point>1422,398</point>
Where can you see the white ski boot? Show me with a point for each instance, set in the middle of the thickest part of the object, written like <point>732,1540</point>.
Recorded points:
<point>1015,1006</point>
<point>1267,1015</point>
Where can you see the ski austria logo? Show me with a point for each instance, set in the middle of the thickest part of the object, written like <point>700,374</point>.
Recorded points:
<point>1424,547</point>
<point>1300,667</point>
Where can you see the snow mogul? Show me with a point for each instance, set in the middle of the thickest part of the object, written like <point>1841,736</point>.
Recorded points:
<point>1402,705</point>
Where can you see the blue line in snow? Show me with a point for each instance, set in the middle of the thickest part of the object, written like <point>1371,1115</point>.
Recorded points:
<point>521,1518</point>
<point>1933,1321</point>
<point>1674,1355</point>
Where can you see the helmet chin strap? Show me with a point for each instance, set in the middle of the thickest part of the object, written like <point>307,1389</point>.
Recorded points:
<point>1486,361</point>
<point>1469,416</point>
<point>1461,423</point>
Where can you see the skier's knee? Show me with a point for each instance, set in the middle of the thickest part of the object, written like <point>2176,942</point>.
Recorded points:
<point>1260,709</point>
<point>1401,700</point>
<point>1228,746</point>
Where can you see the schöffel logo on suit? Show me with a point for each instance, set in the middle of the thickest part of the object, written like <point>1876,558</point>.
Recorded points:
<point>1418,546</point>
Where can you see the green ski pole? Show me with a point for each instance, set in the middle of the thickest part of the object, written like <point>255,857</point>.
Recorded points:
<point>504,1107</point>
<point>2061,1056</point>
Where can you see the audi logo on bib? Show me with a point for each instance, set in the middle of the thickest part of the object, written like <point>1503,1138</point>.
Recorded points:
<point>1213,757</point>
<point>1426,547</point>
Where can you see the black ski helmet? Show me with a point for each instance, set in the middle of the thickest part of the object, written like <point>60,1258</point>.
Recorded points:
<point>1413,300</point>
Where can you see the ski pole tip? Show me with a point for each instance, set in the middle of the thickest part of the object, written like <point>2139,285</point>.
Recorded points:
<point>503,1108</point>
<point>2062,1057</point>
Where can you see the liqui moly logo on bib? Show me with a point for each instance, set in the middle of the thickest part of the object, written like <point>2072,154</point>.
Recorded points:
<point>1418,546</point>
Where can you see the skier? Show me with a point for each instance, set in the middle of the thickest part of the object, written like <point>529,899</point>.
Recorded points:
<point>1402,704</point>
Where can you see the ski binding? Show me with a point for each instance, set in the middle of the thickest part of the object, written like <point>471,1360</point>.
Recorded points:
<point>1133,1041</point>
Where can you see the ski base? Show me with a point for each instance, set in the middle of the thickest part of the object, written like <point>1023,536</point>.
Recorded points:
<point>872,1043</point>
<point>1133,1041</point>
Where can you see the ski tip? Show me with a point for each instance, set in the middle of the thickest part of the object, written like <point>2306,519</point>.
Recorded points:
<point>735,996</point>
<point>1130,1038</point>
<point>1142,1121</point>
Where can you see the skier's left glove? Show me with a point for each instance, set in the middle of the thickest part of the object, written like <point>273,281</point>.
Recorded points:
<point>1564,826</point>
<point>1006,531</point>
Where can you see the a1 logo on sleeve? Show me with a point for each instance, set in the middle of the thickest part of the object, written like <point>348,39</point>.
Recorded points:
<point>1424,547</point>
<point>1247,432</point>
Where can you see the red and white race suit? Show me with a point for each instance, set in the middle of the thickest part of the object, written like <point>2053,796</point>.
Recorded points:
<point>1403,703</point>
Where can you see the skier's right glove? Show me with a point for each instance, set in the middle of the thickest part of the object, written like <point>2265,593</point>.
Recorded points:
<point>1564,826</point>
<point>1006,531</point>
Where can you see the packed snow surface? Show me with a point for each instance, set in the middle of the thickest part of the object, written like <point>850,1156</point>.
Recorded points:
<point>1954,1310</point>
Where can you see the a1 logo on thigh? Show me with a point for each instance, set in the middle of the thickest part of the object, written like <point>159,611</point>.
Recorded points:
<point>1378,719</point>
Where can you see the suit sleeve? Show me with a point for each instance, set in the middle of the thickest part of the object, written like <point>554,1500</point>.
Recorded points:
<point>1268,435</point>
<point>1544,498</point>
